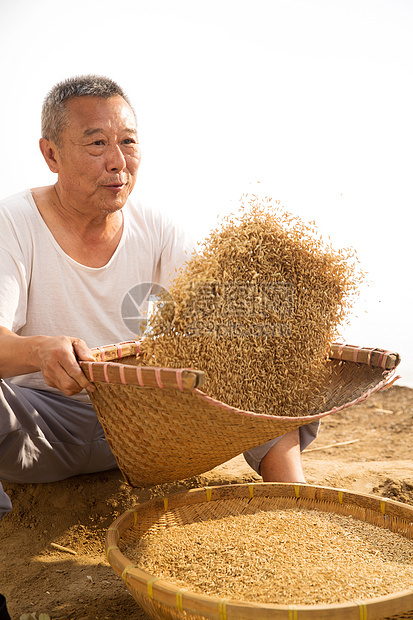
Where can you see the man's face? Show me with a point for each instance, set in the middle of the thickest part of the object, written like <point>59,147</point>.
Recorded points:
<point>99,154</point>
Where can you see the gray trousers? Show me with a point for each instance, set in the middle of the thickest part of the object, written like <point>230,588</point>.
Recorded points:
<point>307,434</point>
<point>46,437</point>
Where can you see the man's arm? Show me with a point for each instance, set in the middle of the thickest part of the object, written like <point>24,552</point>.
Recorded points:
<point>56,357</point>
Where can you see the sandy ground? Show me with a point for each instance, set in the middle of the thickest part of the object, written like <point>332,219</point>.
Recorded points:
<point>37,578</point>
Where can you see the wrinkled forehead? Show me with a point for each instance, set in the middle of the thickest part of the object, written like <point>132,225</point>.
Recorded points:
<point>87,115</point>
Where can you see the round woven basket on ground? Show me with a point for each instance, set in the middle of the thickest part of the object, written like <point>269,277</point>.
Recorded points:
<point>162,599</point>
<point>161,427</point>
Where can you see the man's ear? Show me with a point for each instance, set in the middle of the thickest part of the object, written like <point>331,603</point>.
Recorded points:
<point>50,153</point>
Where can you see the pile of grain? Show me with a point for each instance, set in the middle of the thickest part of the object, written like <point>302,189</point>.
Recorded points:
<point>291,556</point>
<point>256,309</point>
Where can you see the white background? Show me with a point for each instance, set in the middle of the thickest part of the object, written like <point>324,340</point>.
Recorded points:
<point>307,101</point>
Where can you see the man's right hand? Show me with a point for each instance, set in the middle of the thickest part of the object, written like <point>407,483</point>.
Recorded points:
<point>58,362</point>
<point>56,357</point>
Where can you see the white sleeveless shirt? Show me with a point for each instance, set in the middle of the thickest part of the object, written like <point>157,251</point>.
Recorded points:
<point>44,291</point>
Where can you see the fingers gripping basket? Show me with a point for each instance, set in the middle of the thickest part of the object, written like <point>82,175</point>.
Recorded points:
<point>160,598</point>
<point>161,427</point>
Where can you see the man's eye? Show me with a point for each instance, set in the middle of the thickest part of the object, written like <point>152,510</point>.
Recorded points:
<point>129,141</point>
<point>98,143</point>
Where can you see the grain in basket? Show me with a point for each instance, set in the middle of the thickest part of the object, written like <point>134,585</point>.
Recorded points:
<point>282,556</point>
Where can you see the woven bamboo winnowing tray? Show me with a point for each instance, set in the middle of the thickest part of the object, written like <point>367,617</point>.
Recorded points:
<point>161,427</point>
<point>163,599</point>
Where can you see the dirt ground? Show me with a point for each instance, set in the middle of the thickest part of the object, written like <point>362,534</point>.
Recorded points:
<point>37,578</point>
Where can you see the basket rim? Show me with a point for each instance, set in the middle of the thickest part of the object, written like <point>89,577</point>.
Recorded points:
<point>154,586</point>
<point>114,373</point>
<point>389,377</point>
<point>372,356</point>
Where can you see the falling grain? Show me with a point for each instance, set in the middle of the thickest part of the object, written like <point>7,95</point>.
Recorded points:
<point>256,310</point>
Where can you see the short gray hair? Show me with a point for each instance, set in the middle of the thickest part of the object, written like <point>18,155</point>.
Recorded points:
<point>54,110</point>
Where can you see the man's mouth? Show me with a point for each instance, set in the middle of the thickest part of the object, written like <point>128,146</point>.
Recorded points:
<point>114,186</point>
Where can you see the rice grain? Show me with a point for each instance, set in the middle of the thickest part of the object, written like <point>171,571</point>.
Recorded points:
<point>286,556</point>
<point>256,309</point>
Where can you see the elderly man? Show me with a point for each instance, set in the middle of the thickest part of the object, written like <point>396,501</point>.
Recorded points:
<point>72,256</point>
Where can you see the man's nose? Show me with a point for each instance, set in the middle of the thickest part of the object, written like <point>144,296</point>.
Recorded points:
<point>115,159</point>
